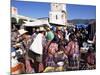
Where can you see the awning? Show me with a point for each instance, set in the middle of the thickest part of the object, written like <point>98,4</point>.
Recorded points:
<point>37,23</point>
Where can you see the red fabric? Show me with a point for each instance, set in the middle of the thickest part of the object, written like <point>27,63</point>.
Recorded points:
<point>72,48</point>
<point>28,66</point>
<point>91,59</point>
<point>53,46</point>
<point>41,67</point>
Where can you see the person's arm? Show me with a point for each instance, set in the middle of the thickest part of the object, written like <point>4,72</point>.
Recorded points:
<point>47,45</point>
<point>94,39</point>
<point>67,49</point>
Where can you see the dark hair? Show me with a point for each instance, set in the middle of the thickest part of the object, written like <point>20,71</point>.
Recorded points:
<point>55,39</point>
<point>91,50</point>
<point>72,36</point>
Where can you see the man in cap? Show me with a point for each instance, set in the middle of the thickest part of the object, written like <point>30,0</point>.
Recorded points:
<point>34,33</point>
<point>37,49</point>
<point>25,44</point>
<point>25,37</point>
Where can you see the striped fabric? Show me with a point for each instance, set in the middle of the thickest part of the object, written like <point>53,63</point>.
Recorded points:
<point>29,69</point>
<point>53,46</point>
<point>50,61</point>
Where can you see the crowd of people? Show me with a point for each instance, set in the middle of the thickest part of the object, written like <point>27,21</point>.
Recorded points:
<point>51,50</point>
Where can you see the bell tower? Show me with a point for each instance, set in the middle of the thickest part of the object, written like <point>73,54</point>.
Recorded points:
<point>58,14</point>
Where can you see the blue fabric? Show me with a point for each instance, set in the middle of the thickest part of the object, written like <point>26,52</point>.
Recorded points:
<point>13,49</point>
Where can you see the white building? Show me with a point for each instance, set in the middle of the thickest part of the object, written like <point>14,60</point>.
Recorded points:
<point>58,14</point>
<point>14,13</point>
<point>29,21</point>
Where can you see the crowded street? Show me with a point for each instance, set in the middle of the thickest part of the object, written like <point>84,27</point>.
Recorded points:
<point>52,49</point>
<point>53,37</point>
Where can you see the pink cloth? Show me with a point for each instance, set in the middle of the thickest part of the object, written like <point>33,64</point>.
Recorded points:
<point>72,48</point>
<point>29,69</point>
<point>53,46</point>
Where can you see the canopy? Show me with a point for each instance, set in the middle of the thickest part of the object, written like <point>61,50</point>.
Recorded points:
<point>81,25</point>
<point>37,23</point>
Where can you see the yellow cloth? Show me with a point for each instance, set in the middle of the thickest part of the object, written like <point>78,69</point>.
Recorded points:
<point>59,69</point>
<point>49,69</point>
<point>53,69</point>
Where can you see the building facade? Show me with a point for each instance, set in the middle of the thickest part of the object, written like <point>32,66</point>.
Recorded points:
<point>14,11</point>
<point>58,14</point>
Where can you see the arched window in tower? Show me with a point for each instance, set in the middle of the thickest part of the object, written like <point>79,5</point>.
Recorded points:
<point>56,17</point>
<point>62,16</point>
<point>56,6</point>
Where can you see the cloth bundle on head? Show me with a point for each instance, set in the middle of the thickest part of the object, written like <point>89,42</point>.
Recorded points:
<point>22,31</point>
<point>59,28</point>
<point>42,29</point>
<point>50,35</point>
<point>48,28</point>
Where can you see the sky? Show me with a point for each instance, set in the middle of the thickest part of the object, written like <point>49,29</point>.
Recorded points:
<point>40,9</point>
